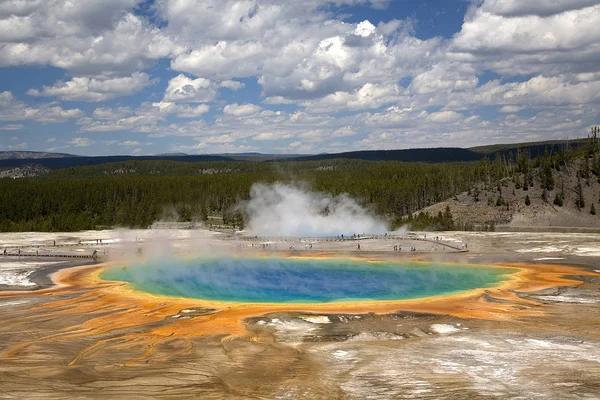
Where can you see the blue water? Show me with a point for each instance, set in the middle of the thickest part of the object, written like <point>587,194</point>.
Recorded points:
<point>279,280</point>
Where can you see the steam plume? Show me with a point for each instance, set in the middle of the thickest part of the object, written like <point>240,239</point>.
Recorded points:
<point>285,210</point>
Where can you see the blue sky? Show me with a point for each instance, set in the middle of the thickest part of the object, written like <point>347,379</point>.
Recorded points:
<point>97,77</point>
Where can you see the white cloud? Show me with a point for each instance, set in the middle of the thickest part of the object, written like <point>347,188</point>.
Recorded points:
<point>136,123</point>
<point>187,90</point>
<point>105,113</point>
<point>13,110</point>
<point>510,109</point>
<point>567,41</point>
<point>344,131</point>
<point>241,110</point>
<point>298,51</point>
<point>513,8</point>
<point>272,136</point>
<point>445,76</point>
<point>11,127</point>
<point>87,37</point>
<point>366,97</point>
<point>182,110</point>
<point>537,91</point>
<point>81,142</point>
<point>145,118</point>
<point>445,117</point>
<point>19,146</point>
<point>333,83</point>
<point>232,85</point>
<point>94,90</point>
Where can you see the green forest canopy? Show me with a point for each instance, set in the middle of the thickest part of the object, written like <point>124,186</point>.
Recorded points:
<point>138,193</point>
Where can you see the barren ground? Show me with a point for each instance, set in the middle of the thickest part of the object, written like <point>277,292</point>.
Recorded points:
<point>73,342</point>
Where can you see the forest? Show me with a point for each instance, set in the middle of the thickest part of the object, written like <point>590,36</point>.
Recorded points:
<point>135,194</point>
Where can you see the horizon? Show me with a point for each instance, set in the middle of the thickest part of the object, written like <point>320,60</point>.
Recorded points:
<point>138,78</point>
<point>517,144</point>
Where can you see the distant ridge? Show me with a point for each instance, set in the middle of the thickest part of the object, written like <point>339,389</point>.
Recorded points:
<point>11,159</point>
<point>171,155</point>
<point>31,155</point>
<point>535,149</point>
<point>68,162</point>
<point>432,155</point>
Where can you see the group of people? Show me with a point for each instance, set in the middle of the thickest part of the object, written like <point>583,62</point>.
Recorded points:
<point>264,246</point>
<point>397,247</point>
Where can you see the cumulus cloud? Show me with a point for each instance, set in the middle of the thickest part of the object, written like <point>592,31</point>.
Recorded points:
<point>332,83</point>
<point>565,39</point>
<point>510,109</point>
<point>512,8</point>
<point>11,127</point>
<point>188,90</point>
<point>366,97</point>
<point>445,117</point>
<point>94,90</point>
<point>537,91</point>
<point>272,136</point>
<point>81,142</point>
<point>241,110</point>
<point>297,50</point>
<point>12,109</point>
<point>182,110</point>
<point>232,85</point>
<point>86,38</point>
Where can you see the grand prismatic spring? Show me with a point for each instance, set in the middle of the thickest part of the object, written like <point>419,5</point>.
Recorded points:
<point>302,280</point>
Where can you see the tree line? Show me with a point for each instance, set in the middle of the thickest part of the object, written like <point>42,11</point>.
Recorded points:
<point>135,194</point>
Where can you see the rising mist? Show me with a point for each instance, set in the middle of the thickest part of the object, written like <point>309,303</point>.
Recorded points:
<point>280,209</point>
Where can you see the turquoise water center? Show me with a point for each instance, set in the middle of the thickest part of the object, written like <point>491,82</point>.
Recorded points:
<point>301,280</point>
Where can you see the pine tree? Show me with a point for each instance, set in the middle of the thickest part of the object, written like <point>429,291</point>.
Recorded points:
<point>558,200</point>
<point>580,201</point>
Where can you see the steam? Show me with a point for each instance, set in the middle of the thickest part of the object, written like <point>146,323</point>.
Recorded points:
<point>285,210</point>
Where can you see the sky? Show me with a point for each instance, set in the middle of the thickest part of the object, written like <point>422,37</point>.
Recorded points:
<point>108,77</point>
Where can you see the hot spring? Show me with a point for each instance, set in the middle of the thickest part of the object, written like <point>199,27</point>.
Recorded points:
<point>302,280</point>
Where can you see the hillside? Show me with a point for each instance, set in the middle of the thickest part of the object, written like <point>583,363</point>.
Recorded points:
<point>77,161</point>
<point>25,171</point>
<point>535,149</point>
<point>480,208</point>
<point>32,155</point>
<point>11,159</point>
<point>432,155</point>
